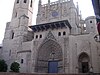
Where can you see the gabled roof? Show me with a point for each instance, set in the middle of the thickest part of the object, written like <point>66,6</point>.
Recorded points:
<point>52,25</point>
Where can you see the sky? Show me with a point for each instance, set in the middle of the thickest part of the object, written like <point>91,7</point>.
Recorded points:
<point>6,8</point>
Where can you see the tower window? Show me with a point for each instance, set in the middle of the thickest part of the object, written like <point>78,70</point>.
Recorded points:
<point>64,33</point>
<point>10,53</point>
<point>59,34</point>
<point>17,1</point>
<point>16,14</point>
<point>90,21</point>
<point>40,36</point>
<point>36,36</point>
<point>22,61</point>
<point>12,35</point>
<point>25,1</point>
<point>31,3</point>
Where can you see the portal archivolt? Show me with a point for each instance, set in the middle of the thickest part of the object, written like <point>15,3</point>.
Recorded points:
<point>83,63</point>
<point>49,51</point>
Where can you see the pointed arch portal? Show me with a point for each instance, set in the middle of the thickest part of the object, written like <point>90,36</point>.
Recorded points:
<point>83,63</point>
<point>49,58</point>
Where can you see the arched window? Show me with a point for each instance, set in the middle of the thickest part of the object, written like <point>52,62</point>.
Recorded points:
<point>16,14</point>
<point>31,3</point>
<point>40,36</point>
<point>59,33</point>
<point>36,36</point>
<point>10,53</point>
<point>25,1</point>
<point>64,33</point>
<point>17,1</point>
<point>12,34</point>
<point>22,60</point>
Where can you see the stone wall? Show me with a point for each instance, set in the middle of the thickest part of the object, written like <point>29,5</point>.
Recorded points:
<point>6,73</point>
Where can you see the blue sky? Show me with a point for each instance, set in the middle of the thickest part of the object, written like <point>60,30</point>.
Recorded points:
<point>6,7</point>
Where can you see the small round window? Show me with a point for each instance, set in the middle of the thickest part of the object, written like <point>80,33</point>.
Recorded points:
<point>90,21</point>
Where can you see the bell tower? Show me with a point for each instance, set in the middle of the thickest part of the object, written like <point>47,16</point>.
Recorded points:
<point>22,7</point>
<point>17,30</point>
<point>21,18</point>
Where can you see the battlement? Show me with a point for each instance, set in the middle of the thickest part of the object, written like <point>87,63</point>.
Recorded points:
<point>56,2</point>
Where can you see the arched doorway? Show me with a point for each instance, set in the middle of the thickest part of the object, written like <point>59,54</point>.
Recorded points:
<point>49,58</point>
<point>83,63</point>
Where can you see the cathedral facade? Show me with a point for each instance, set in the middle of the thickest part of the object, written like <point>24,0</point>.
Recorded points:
<point>60,42</point>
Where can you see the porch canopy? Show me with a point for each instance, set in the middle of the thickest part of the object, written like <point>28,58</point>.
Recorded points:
<point>51,25</point>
